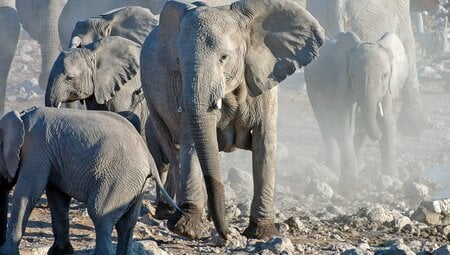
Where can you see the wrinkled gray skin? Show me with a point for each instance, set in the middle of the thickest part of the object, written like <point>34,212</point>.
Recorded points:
<point>370,20</point>
<point>9,36</point>
<point>357,82</point>
<point>131,22</point>
<point>106,76</point>
<point>209,76</point>
<point>79,154</point>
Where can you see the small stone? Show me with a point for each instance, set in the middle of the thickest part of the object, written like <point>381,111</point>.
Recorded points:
<point>355,251</point>
<point>235,239</point>
<point>280,245</point>
<point>283,228</point>
<point>320,189</point>
<point>394,247</point>
<point>421,214</point>
<point>295,223</point>
<point>446,231</point>
<point>416,192</point>
<point>147,247</point>
<point>377,214</point>
<point>401,222</point>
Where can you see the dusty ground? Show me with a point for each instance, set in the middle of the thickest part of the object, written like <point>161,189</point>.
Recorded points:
<point>310,214</point>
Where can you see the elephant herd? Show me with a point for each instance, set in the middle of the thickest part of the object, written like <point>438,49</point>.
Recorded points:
<point>199,79</point>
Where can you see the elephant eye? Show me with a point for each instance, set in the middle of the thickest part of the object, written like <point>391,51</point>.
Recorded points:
<point>223,58</point>
<point>385,76</point>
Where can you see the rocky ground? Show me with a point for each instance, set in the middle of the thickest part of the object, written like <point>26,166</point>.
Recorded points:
<point>405,215</point>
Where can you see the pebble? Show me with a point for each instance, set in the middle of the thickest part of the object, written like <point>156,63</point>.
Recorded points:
<point>320,189</point>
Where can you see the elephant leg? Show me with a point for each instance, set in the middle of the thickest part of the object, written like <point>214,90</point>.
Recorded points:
<point>103,239</point>
<point>264,154</point>
<point>59,204</point>
<point>169,173</point>
<point>345,131</point>
<point>191,198</point>
<point>125,227</point>
<point>331,151</point>
<point>9,36</point>
<point>387,142</point>
<point>411,121</point>
<point>26,194</point>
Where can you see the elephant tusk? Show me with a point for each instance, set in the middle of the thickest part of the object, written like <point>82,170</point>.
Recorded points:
<point>59,105</point>
<point>219,104</point>
<point>380,107</point>
<point>76,42</point>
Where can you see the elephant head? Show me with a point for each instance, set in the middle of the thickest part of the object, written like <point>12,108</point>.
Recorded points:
<point>12,134</point>
<point>99,70</point>
<point>131,22</point>
<point>251,44</point>
<point>373,69</point>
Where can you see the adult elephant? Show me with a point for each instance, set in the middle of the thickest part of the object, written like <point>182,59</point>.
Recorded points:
<point>209,76</point>
<point>370,20</point>
<point>9,36</point>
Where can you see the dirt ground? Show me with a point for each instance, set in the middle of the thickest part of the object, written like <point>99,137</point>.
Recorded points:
<point>315,219</point>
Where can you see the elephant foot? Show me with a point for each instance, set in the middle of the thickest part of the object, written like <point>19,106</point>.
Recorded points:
<point>263,230</point>
<point>189,223</point>
<point>349,186</point>
<point>411,122</point>
<point>57,249</point>
<point>163,211</point>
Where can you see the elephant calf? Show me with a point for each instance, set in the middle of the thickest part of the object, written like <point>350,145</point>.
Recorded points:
<point>355,78</point>
<point>95,157</point>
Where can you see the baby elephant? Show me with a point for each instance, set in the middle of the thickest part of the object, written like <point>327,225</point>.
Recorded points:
<point>355,82</point>
<point>95,157</point>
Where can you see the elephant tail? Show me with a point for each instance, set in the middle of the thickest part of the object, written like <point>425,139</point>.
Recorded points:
<point>155,176</point>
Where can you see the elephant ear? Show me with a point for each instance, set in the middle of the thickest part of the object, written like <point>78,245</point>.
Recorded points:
<point>283,37</point>
<point>117,62</point>
<point>399,62</point>
<point>12,135</point>
<point>169,29</point>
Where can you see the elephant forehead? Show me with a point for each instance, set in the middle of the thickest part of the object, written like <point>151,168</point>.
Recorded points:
<point>370,55</point>
<point>73,59</point>
<point>208,24</point>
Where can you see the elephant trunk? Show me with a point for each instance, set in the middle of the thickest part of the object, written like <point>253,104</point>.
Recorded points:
<point>202,125</point>
<point>369,108</point>
<point>203,132</point>
<point>49,42</point>
<point>52,97</point>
